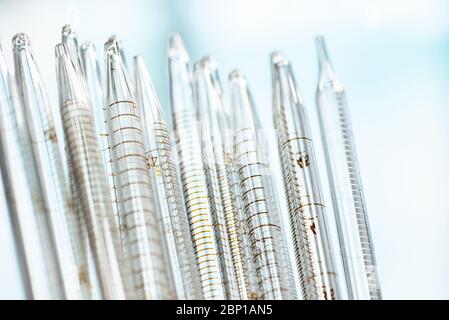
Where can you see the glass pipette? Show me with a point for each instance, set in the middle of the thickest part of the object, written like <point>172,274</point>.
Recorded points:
<point>346,188</point>
<point>91,286</point>
<point>216,179</point>
<point>210,106</point>
<point>225,115</point>
<point>185,124</point>
<point>160,157</point>
<point>260,210</point>
<point>30,226</point>
<point>82,145</point>
<point>94,86</point>
<point>308,221</point>
<point>139,207</point>
<point>43,152</point>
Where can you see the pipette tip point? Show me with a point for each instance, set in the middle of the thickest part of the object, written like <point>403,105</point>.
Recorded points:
<point>139,63</point>
<point>319,39</point>
<point>138,59</point>
<point>321,49</point>
<point>177,47</point>
<point>67,31</point>
<point>20,42</point>
<point>88,45</point>
<point>278,58</point>
<point>237,75</point>
<point>111,47</point>
<point>210,62</point>
<point>113,43</point>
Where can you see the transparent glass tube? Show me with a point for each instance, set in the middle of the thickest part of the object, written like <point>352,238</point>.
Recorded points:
<point>92,74</point>
<point>90,284</point>
<point>260,208</point>
<point>139,207</point>
<point>210,105</point>
<point>225,114</point>
<point>84,153</point>
<point>191,167</point>
<point>307,213</point>
<point>39,136</point>
<point>174,216</point>
<point>346,188</point>
<point>94,86</point>
<point>30,225</point>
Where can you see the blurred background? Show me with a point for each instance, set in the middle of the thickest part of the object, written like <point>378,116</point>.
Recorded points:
<point>392,57</point>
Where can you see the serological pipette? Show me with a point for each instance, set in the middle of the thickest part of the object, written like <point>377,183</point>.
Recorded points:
<point>43,154</point>
<point>307,213</point>
<point>139,207</point>
<point>185,125</point>
<point>215,173</point>
<point>31,228</point>
<point>346,188</point>
<point>161,162</point>
<point>94,84</point>
<point>260,209</point>
<point>210,105</point>
<point>225,116</point>
<point>91,287</point>
<point>90,178</point>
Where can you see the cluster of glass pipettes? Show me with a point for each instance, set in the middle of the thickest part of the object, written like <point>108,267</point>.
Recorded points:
<point>117,209</point>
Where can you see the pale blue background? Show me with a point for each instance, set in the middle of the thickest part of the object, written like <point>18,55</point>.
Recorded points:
<point>392,56</point>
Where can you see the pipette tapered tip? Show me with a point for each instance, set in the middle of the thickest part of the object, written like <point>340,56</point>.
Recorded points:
<point>319,40</point>
<point>237,76</point>
<point>209,62</point>
<point>140,68</point>
<point>177,48</point>
<point>146,94</point>
<point>206,62</point>
<point>138,61</point>
<point>67,32</point>
<point>327,72</point>
<point>21,42</point>
<point>320,44</point>
<point>112,44</point>
<point>88,45</point>
<point>88,54</point>
<point>113,38</point>
<point>278,58</point>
